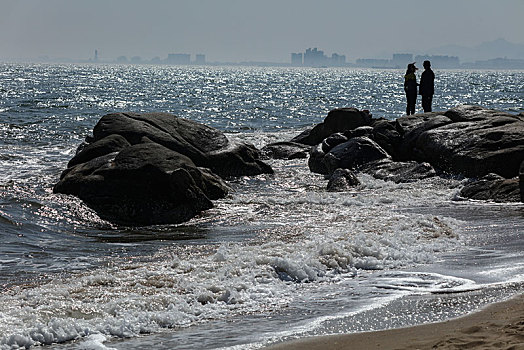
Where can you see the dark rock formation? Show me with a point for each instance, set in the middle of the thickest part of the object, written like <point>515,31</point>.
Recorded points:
<point>338,120</point>
<point>285,150</point>
<point>387,136</point>
<point>399,172</point>
<point>493,187</point>
<point>468,140</point>
<point>142,169</point>
<point>342,180</point>
<point>353,154</point>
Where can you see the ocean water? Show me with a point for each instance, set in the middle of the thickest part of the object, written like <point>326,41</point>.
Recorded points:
<point>278,258</point>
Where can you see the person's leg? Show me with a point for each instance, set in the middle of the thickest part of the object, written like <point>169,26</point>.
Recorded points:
<point>426,103</point>
<point>412,100</point>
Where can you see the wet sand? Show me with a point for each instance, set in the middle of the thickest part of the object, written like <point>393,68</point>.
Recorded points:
<point>498,326</point>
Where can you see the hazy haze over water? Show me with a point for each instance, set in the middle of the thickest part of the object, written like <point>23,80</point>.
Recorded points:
<point>234,30</point>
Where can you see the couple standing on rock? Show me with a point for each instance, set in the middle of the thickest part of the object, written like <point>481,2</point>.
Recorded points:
<point>426,87</point>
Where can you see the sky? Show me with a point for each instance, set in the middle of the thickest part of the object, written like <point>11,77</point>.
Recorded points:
<point>249,30</point>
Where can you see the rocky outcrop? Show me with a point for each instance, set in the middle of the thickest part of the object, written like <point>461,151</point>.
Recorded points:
<point>470,141</point>
<point>155,168</point>
<point>337,120</point>
<point>399,172</point>
<point>493,187</point>
<point>353,154</point>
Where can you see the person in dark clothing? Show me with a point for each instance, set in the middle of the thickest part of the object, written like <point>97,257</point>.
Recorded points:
<point>427,86</point>
<point>410,87</point>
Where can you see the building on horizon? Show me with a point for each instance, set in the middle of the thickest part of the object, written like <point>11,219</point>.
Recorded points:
<point>297,59</point>
<point>200,59</point>
<point>337,60</point>
<point>438,61</point>
<point>401,60</point>
<point>373,63</point>
<point>178,58</point>
<point>313,57</point>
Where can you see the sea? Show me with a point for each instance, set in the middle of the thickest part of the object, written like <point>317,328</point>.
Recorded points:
<point>279,258</point>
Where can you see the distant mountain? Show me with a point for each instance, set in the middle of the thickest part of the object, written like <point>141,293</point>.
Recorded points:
<point>499,48</point>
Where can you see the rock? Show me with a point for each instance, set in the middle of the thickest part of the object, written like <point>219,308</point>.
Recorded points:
<point>106,145</point>
<point>143,184</point>
<point>285,150</point>
<point>315,161</point>
<point>387,136</point>
<point>205,146</point>
<point>342,180</point>
<point>353,154</point>
<point>475,142</point>
<point>493,187</point>
<point>337,120</point>
<point>155,168</point>
<point>411,128</point>
<point>366,131</point>
<point>333,140</point>
<point>399,172</point>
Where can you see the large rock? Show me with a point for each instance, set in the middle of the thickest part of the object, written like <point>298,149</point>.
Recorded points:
<point>142,169</point>
<point>493,187</point>
<point>342,180</point>
<point>353,154</point>
<point>387,136</point>
<point>337,120</point>
<point>468,140</point>
<point>399,172</point>
<point>285,150</point>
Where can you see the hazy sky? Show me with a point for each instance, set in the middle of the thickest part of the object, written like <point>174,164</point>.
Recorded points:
<point>238,30</point>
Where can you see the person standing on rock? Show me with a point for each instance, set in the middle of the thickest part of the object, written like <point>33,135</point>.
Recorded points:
<point>410,87</point>
<point>427,86</point>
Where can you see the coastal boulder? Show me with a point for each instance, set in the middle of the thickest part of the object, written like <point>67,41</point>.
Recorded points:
<point>353,154</point>
<point>342,180</point>
<point>399,172</point>
<point>493,187</point>
<point>337,120</point>
<point>155,168</point>
<point>285,150</point>
<point>468,140</point>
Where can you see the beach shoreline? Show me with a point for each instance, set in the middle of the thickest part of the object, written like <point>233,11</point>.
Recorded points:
<point>496,326</point>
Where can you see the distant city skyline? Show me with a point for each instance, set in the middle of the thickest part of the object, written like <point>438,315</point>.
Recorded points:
<point>498,54</point>
<point>248,30</point>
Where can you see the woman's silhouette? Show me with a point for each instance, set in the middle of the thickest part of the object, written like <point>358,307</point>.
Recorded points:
<point>410,87</point>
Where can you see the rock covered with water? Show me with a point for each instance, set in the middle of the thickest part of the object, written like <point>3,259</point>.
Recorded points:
<point>342,180</point>
<point>493,187</point>
<point>155,168</point>
<point>285,150</point>
<point>469,141</point>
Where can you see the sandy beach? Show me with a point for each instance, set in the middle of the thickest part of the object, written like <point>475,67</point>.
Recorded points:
<point>498,326</point>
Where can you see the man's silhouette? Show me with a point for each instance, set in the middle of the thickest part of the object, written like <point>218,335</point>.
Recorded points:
<point>427,86</point>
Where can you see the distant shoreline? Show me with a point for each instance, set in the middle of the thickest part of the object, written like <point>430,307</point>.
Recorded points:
<point>500,66</point>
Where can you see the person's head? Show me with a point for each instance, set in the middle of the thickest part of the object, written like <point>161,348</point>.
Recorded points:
<point>427,64</point>
<point>411,68</point>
